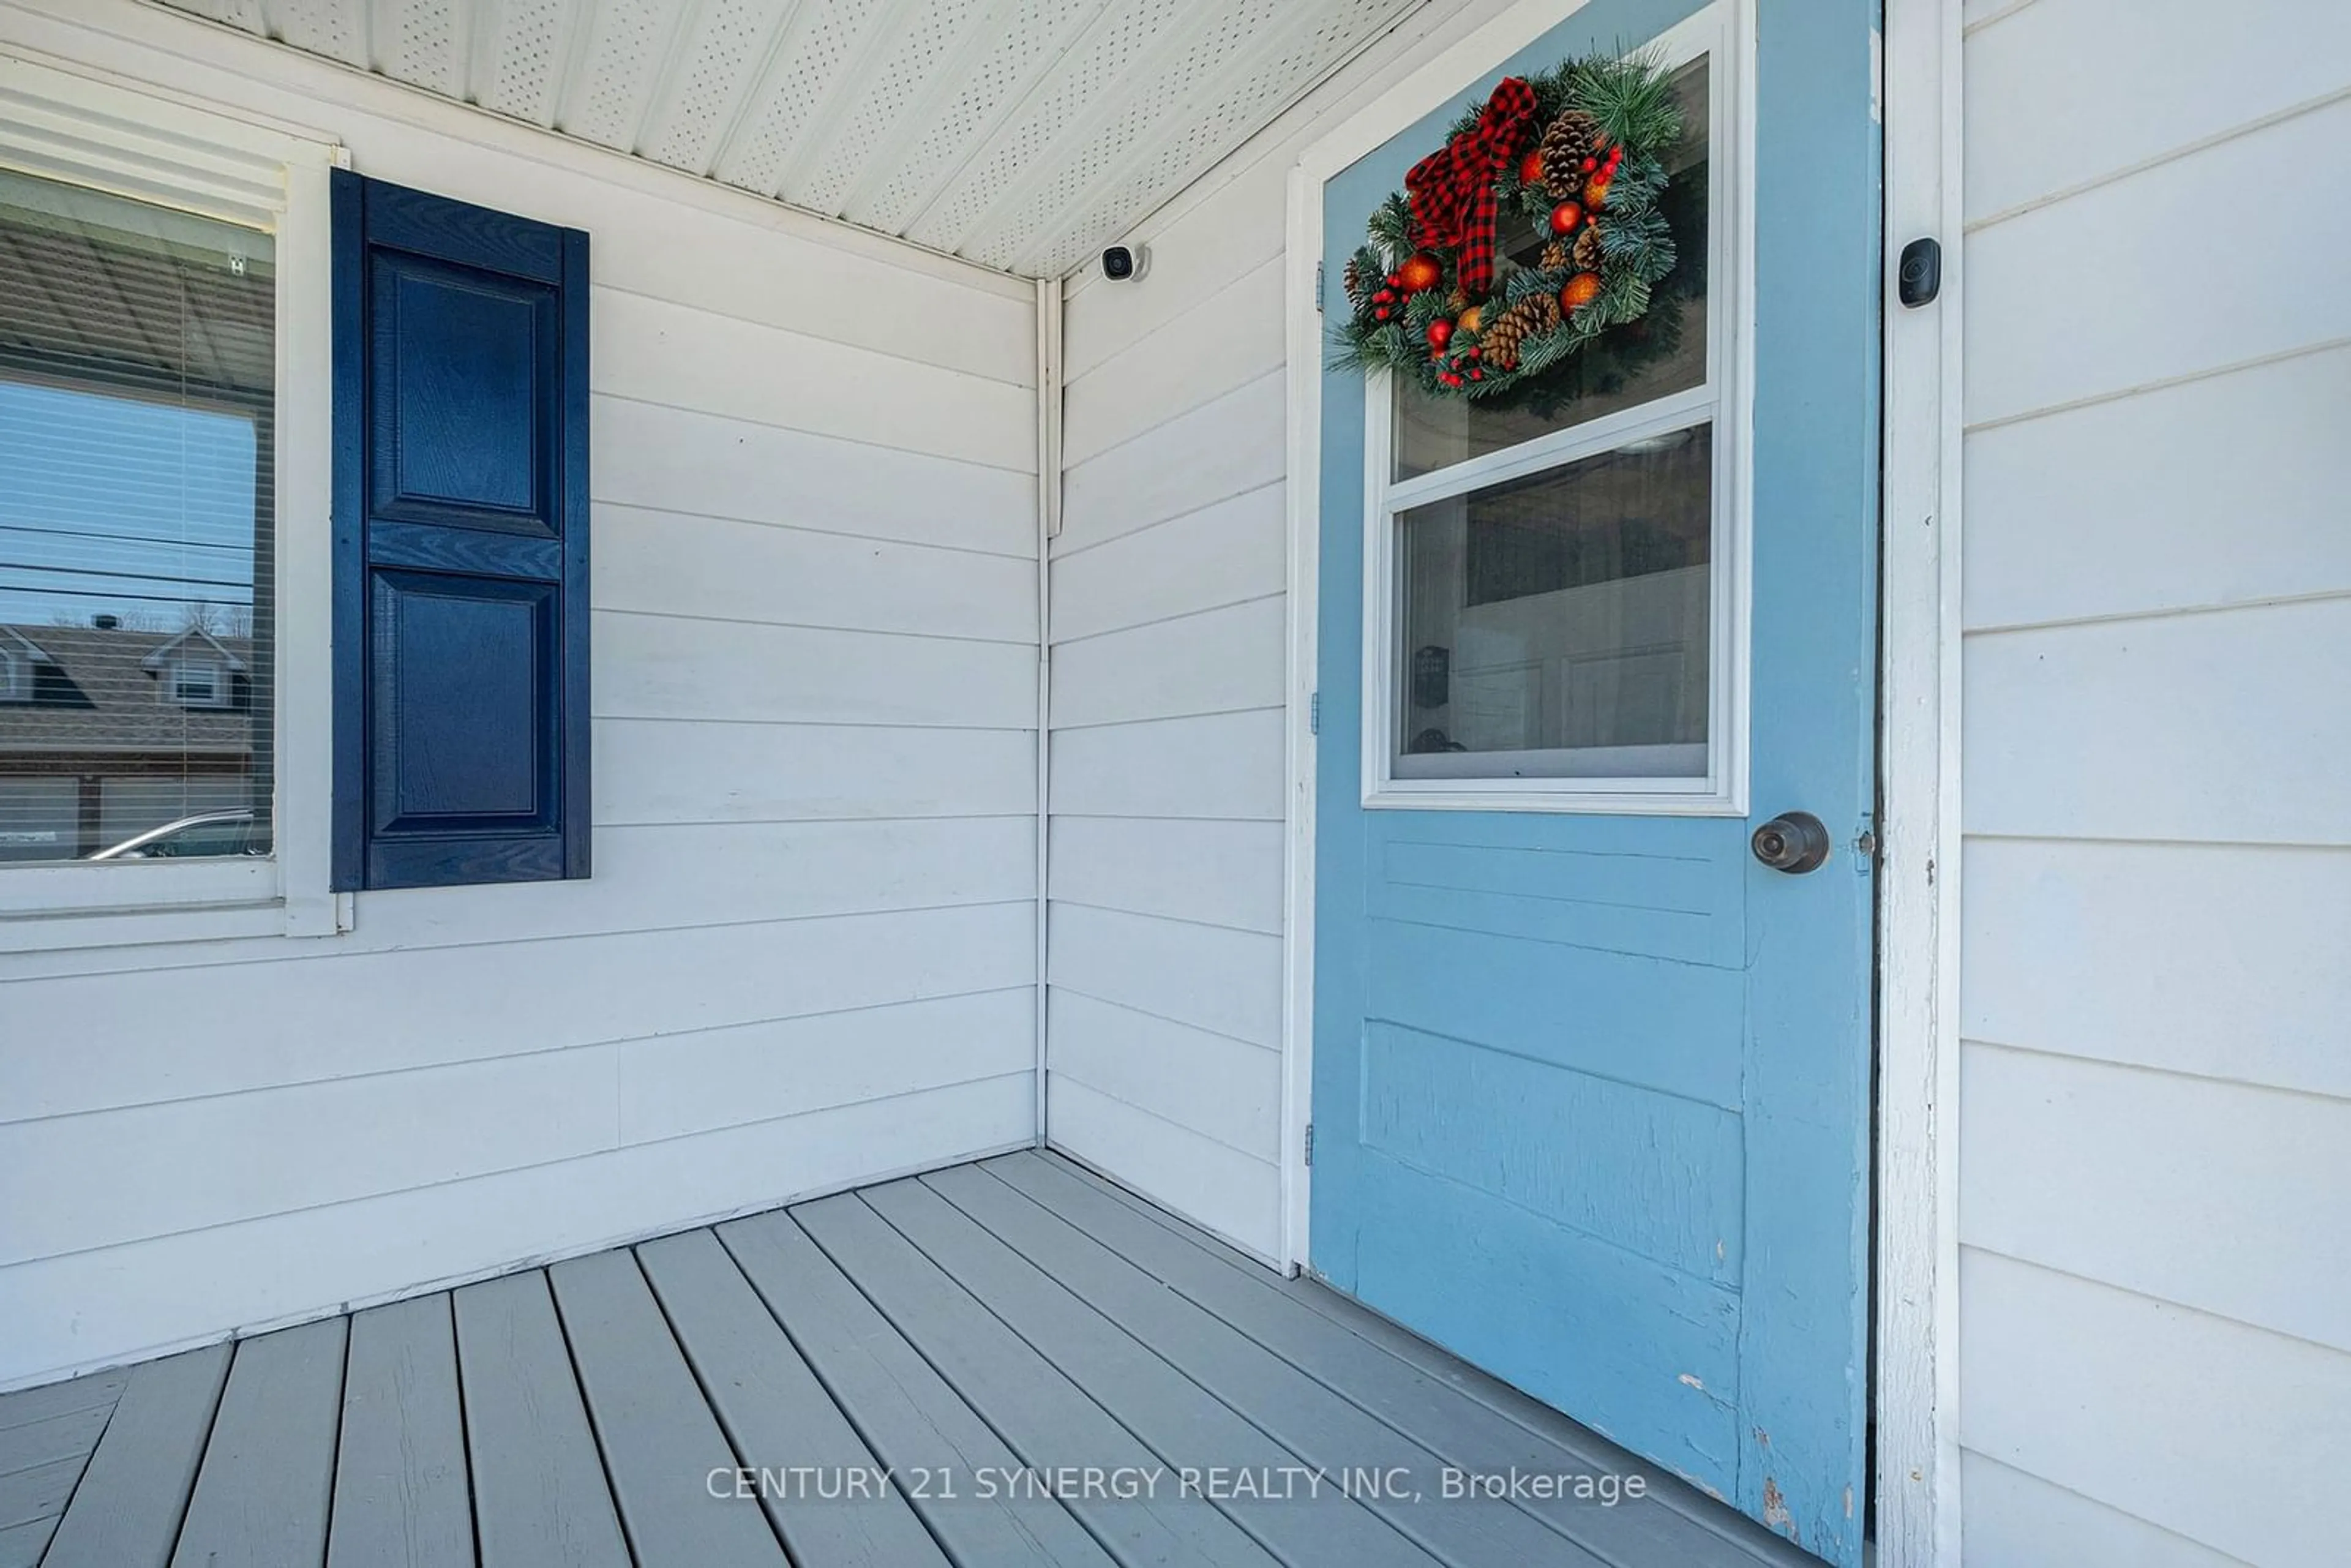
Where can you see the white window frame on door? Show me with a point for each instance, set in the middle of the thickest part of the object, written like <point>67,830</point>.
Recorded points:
<point>64,124</point>
<point>1724,400</point>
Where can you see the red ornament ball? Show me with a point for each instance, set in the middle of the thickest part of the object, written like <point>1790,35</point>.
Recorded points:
<point>1565,217</point>
<point>1530,168</point>
<point>1590,164</point>
<point>1440,332</point>
<point>1421,272</point>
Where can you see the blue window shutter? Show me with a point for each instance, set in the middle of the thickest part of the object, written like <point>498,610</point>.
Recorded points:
<point>461,543</point>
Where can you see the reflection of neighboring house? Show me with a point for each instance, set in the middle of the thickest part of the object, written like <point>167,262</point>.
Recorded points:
<point>106,732</point>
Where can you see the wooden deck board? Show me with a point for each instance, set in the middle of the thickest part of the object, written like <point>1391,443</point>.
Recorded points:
<point>99,1391</point>
<point>1315,1422</point>
<point>126,1514</point>
<point>972,1343</point>
<point>263,1492</point>
<point>914,1423</point>
<point>69,1437</point>
<point>778,1415</point>
<point>1052,1422</point>
<point>402,1498</point>
<point>660,1440</point>
<point>1188,1426</point>
<point>540,1499</point>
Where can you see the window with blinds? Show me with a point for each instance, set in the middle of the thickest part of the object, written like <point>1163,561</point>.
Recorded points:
<point>137,381</point>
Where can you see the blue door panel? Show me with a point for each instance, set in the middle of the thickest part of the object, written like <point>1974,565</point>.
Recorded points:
<point>1592,1091</point>
<point>1539,1287</point>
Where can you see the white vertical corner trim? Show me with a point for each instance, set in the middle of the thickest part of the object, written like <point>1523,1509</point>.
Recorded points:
<point>1917,1289</point>
<point>84,128</point>
<point>1302,330</point>
<point>1048,526</point>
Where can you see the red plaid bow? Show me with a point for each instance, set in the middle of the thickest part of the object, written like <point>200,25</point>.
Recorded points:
<point>1452,188</point>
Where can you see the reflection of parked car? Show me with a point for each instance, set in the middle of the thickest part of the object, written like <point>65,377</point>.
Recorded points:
<point>207,834</point>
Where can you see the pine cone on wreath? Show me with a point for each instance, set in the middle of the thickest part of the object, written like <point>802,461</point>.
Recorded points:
<point>1556,255</point>
<point>1586,257</point>
<point>1353,279</point>
<point>1530,317</point>
<point>1573,137</point>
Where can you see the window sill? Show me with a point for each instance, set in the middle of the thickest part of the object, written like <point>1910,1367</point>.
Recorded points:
<point>46,909</point>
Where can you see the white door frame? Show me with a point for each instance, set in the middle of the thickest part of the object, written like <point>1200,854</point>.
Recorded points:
<point>1915,1290</point>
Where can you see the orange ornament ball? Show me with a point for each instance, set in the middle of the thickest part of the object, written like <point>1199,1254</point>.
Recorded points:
<point>1595,191</point>
<point>1470,319</point>
<point>1420,272</point>
<point>1565,217</point>
<point>1580,291</point>
<point>1530,168</point>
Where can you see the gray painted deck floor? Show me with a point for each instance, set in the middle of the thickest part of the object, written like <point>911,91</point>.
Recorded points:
<point>1051,1371</point>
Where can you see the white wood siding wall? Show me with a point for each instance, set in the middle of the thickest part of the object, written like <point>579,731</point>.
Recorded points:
<point>1169,628</point>
<point>2156,1089</point>
<point>807,954</point>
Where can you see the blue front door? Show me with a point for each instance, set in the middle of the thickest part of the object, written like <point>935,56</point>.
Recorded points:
<point>1590,1094</point>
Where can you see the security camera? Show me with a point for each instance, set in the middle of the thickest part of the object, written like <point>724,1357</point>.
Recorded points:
<point>1124,263</point>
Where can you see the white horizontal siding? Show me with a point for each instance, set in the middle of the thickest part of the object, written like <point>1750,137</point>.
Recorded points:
<point>2039,123</point>
<point>1222,1088</point>
<point>2019,1520</point>
<point>2230,1435</point>
<point>1210,872</point>
<point>80,1308</point>
<point>2137,1178</point>
<point>1228,552</point>
<point>1169,665</point>
<point>2121,507</point>
<point>2155,1108</point>
<point>2220,960</point>
<point>650,455</point>
<point>1217,764</point>
<point>650,771</point>
<point>1218,661</point>
<point>2219,726</point>
<point>2085,297</point>
<point>1230,337</point>
<point>653,564</point>
<point>1235,1194</point>
<point>660,666</point>
<point>691,357</point>
<point>1225,981</point>
<point>807,957</point>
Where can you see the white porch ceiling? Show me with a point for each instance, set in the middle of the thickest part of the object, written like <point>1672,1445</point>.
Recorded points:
<point>1019,134</point>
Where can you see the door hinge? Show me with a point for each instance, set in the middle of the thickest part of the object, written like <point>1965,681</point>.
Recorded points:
<point>1317,287</point>
<point>1314,713</point>
<point>1310,1143</point>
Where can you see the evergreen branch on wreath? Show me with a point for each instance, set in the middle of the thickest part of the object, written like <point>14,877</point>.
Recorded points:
<point>1587,173</point>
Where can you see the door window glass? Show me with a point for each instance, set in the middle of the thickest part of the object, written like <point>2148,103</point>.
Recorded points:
<point>1556,626</point>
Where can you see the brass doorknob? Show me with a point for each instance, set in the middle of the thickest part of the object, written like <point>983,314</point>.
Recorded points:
<point>1793,842</point>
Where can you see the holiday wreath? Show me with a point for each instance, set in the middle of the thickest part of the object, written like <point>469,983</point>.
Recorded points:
<point>1577,155</point>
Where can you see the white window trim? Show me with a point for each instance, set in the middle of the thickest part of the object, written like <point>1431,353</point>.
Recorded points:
<point>1725,400</point>
<point>69,126</point>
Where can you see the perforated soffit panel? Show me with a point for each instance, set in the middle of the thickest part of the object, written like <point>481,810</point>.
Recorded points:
<point>1020,134</point>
